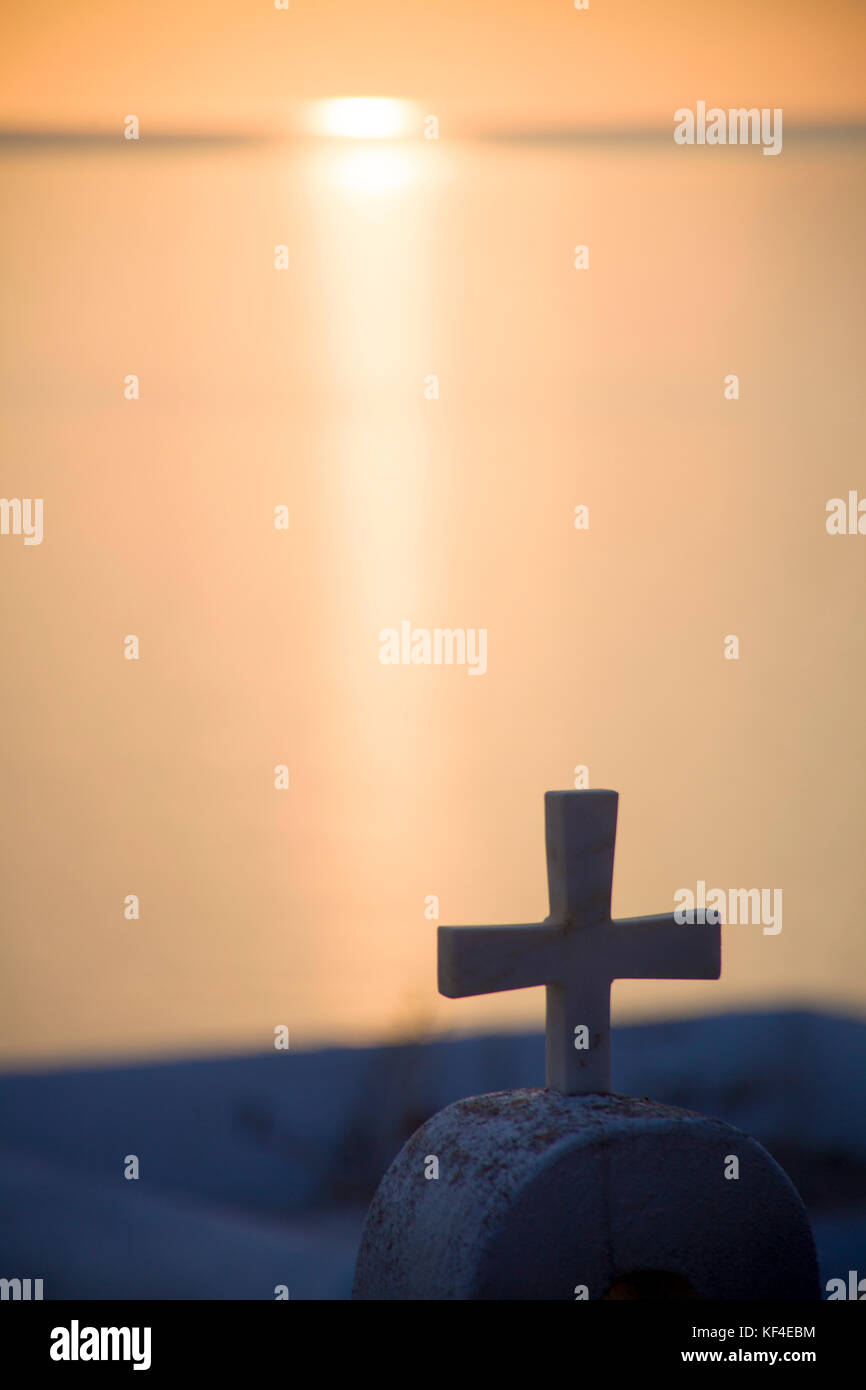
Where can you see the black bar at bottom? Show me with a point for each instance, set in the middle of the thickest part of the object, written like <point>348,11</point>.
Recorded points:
<point>167,1339</point>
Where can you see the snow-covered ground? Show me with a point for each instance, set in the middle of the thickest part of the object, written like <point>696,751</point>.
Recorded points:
<point>255,1171</point>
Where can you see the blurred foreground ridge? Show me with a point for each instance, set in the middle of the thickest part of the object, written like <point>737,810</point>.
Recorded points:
<point>256,1171</point>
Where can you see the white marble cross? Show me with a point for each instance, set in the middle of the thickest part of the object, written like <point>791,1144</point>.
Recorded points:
<point>578,951</point>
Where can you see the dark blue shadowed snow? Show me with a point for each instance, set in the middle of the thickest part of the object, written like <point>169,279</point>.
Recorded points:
<point>255,1171</point>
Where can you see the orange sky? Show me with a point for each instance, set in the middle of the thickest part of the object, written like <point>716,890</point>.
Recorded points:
<point>234,64</point>
<point>306,907</point>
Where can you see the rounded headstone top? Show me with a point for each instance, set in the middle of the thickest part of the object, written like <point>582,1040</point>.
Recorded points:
<point>535,1194</point>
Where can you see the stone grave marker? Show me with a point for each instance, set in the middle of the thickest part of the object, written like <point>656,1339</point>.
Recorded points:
<point>572,1192</point>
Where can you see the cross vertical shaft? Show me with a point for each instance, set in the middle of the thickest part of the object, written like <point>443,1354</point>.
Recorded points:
<point>572,1070</point>
<point>580,834</point>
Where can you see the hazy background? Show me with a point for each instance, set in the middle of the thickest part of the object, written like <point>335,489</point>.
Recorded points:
<point>305,388</point>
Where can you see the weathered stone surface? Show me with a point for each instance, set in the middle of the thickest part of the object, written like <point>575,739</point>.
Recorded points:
<point>539,1193</point>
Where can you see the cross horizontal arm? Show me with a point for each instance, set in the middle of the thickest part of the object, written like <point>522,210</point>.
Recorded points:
<point>659,948</point>
<point>485,960</point>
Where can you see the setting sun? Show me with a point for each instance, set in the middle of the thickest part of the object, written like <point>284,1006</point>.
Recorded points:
<point>362,118</point>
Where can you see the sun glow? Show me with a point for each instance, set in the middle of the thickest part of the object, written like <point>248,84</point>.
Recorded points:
<point>372,170</point>
<point>362,118</point>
